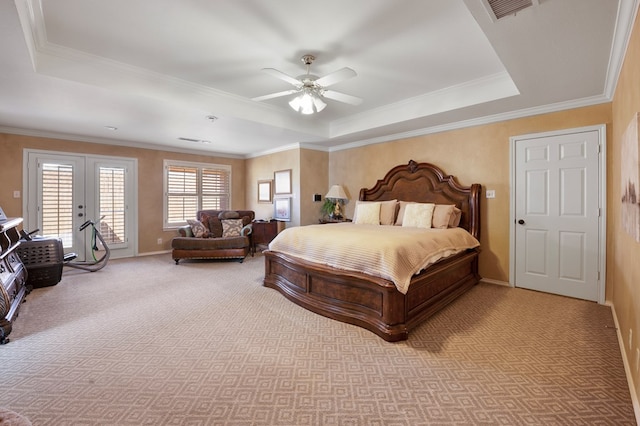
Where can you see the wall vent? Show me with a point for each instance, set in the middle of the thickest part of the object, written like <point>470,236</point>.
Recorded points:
<point>502,8</point>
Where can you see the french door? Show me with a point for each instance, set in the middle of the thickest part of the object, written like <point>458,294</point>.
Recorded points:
<point>65,190</point>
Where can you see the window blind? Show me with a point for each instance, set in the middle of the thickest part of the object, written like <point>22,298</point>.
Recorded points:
<point>190,188</point>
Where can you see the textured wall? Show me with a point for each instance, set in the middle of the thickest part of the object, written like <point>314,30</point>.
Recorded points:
<point>263,167</point>
<point>474,155</point>
<point>150,179</point>
<point>623,268</point>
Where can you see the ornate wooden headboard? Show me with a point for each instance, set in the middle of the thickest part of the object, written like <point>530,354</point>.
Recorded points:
<point>426,183</point>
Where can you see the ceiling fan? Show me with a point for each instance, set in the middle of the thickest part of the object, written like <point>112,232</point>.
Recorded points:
<point>312,89</point>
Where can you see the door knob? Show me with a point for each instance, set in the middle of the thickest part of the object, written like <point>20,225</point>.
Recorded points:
<point>80,214</point>
<point>521,222</point>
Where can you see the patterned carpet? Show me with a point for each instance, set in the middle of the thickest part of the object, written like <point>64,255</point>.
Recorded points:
<point>146,342</point>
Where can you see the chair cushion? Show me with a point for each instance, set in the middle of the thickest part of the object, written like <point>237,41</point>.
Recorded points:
<point>185,243</point>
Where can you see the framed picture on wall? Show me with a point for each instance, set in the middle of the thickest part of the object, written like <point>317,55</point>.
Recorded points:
<point>264,191</point>
<point>282,209</point>
<point>282,180</point>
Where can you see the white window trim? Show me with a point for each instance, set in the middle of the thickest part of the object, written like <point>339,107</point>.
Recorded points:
<point>165,205</point>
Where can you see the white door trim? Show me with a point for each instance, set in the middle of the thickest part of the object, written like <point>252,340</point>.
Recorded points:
<point>29,190</point>
<point>602,200</point>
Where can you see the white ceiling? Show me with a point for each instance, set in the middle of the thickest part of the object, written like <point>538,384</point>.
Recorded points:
<point>155,69</point>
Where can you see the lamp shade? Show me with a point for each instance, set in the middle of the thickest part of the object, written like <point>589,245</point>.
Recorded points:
<point>307,103</point>
<point>336,192</point>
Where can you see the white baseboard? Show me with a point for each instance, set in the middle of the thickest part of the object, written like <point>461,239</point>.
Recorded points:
<point>153,253</point>
<point>627,365</point>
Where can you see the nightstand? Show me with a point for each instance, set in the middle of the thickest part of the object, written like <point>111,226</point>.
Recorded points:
<point>263,232</point>
<point>328,220</point>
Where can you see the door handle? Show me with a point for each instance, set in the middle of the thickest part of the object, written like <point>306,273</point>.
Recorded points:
<point>521,222</point>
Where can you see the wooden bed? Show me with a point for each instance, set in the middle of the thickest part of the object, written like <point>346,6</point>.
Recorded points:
<point>375,303</point>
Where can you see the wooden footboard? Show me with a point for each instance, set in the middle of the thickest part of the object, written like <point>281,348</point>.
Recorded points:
<point>370,302</point>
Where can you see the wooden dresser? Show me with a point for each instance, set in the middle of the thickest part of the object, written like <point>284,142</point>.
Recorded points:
<point>13,276</point>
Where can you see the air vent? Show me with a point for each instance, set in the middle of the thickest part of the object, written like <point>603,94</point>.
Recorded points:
<point>502,8</point>
<point>194,140</point>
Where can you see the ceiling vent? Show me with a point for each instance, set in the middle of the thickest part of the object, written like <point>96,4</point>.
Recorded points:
<point>502,8</point>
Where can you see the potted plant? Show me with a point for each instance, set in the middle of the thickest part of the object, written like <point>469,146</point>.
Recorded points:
<point>328,207</point>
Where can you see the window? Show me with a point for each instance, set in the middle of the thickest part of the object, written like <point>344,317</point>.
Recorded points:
<point>190,187</point>
<point>57,201</point>
<point>112,204</point>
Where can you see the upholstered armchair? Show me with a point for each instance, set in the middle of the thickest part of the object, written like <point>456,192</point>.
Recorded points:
<point>215,234</point>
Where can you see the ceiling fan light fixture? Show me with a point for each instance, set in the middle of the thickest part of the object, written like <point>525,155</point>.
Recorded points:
<point>307,103</point>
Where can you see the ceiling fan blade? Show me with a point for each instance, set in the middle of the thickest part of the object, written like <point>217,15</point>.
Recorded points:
<point>275,95</point>
<point>282,76</point>
<point>336,77</point>
<point>342,97</point>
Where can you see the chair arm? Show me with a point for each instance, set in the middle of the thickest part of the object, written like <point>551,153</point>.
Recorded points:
<point>247,230</point>
<point>185,231</point>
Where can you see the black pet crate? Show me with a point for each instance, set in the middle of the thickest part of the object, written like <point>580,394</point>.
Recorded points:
<point>43,258</point>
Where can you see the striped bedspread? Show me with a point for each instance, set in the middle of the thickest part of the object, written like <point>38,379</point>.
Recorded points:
<point>395,253</point>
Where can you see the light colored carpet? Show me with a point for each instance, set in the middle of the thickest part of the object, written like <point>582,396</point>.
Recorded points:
<point>146,342</point>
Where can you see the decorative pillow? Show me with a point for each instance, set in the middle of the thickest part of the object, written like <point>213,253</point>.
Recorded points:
<point>455,218</point>
<point>418,215</point>
<point>204,218</point>
<point>198,229</point>
<point>367,214</point>
<point>403,206</point>
<point>228,214</point>
<point>231,227</point>
<point>442,216</point>
<point>387,211</point>
<point>215,227</point>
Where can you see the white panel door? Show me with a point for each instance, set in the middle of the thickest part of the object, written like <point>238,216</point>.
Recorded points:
<point>557,214</point>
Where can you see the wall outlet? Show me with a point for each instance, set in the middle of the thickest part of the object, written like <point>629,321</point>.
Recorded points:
<point>491,193</point>
<point>159,241</point>
<point>630,338</point>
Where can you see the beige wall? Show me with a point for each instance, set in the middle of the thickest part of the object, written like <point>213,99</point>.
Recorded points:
<point>263,168</point>
<point>150,179</point>
<point>314,179</point>
<point>309,173</point>
<point>474,155</point>
<point>623,267</point>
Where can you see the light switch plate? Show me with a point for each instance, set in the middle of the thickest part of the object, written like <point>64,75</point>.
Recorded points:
<point>491,193</point>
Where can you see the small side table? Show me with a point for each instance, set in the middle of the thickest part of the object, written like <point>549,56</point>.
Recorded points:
<point>263,232</point>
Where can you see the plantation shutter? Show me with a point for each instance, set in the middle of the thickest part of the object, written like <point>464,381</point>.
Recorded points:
<point>215,189</point>
<point>57,201</point>
<point>193,187</point>
<point>112,204</point>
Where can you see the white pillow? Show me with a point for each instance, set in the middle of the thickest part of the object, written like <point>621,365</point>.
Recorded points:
<point>367,214</point>
<point>403,205</point>
<point>387,211</point>
<point>418,215</point>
